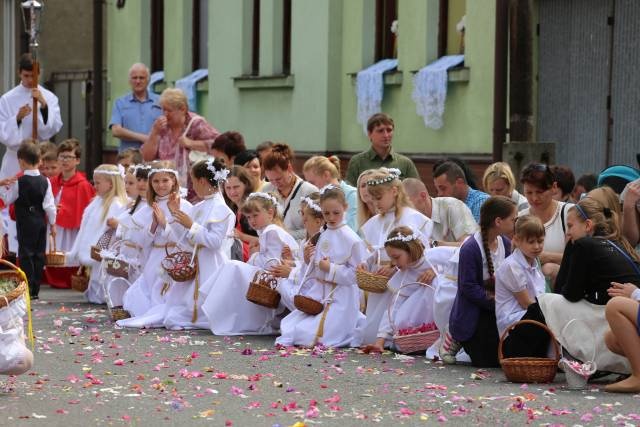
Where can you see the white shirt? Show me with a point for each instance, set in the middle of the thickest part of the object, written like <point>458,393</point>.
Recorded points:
<point>515,275</point>
<point>452,219</point>
<point>9,194</point>
<point>12,134</point>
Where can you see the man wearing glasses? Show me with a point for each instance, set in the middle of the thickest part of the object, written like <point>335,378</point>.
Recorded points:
<point>134,113</point>
<point>16,115</point>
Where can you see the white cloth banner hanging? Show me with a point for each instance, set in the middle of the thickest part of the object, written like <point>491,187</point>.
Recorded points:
<point>430,89</point>
<point>369,89</point>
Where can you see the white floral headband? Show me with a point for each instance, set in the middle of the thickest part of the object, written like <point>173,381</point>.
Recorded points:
<point>265,196</point>
<point>218,175</point>
<point>402,238</point>
<point>166,170</point>
<point>394,173</point>
<point>313,205</point>
<point>120,172</point>
<point>327,188</point>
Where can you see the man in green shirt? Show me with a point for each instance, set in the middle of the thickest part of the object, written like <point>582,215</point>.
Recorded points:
<point>380,130</point>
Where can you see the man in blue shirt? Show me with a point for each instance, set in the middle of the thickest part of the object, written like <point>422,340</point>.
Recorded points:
<point>134,113</point>
<point>450,181</point>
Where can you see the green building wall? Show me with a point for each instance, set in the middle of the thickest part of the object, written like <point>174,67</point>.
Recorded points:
<point>314,109</point>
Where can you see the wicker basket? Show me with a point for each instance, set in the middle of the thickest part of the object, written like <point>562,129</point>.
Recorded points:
<point>308,305</point>
<point>54,258</point>
<point>371,282</point>
<point>181,266</point>
<point>119,313</point>
<point>529,369</point>
<point>117,267</point>
<point>411,343</point>
<point>262,290</point>
<point>95,253</point>
<point>21,285</point>
<point>80,280</point>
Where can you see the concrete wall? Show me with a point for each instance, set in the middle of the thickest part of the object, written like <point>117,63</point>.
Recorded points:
<point>67,36</point>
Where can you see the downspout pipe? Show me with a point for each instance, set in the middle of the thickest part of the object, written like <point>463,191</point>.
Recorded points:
<point>500,78</point>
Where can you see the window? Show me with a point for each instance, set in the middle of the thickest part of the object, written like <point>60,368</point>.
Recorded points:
<point>200,34</point>
<point>386,13</point>
<point>255,39</point>
<point>286,37</point>
<point>157,35</point>
<point>450,41</point>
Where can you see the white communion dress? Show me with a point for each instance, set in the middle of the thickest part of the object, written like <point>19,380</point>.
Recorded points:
<point>213,224</point>
<point>144,297</point>
<point>341,322</point>
<point>411,304</point>
<point>92,227</point>
<point>375,232</point>
<point>226,306</point>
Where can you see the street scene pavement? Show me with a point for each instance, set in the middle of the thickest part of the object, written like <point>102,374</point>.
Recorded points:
<point>88,372</point>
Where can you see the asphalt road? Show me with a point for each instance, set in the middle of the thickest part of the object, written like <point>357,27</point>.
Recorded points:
<point>88,372</point>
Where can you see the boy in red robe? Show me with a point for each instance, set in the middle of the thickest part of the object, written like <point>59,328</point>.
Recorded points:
<point>72,192</point>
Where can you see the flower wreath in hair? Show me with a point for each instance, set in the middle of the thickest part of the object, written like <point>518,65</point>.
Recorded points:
<point>326,188</point>
<point>166,170</point>
<point>266,196</point>
<point>120,172</point>
<point>394,173</point>
<point>219,175</point>
<point>403,238</point>
<point>309,202</point>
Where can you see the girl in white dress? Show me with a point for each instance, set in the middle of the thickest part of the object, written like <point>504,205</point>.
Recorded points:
<point>330,273</point>
<point>226,306</point>
<point>210,223</point>
<point>415,303</point>
<point>110,202</point>
<point>291,268</point>
<point>394,209</point>
<point>144,297</point>
<point>127,249</point>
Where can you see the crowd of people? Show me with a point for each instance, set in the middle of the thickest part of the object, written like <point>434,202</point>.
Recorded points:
<point>200,220</point>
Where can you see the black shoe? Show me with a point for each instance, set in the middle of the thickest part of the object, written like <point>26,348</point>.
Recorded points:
<point>34,297</point>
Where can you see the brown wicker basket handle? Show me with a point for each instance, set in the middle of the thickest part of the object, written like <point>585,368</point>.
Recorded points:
<point>531,322</point>
<point>8,264</point>
<point>53,244</point>
<point>394,300</point>
<point>166,249</point>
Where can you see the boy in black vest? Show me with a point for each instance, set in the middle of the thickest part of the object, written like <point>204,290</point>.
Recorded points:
<point>35,207</point>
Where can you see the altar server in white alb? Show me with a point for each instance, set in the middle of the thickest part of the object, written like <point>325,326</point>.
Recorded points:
<point>204,232</point>
<point>394,209</point>
<point>329,278</point>
<point>16,116</point>
<point>145,298</point>
<point>110,202</point>
<point>226,306</point>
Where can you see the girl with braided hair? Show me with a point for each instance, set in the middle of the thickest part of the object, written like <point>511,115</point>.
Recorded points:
<point>473,320</point>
